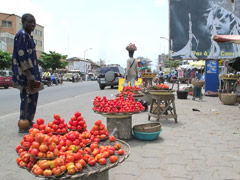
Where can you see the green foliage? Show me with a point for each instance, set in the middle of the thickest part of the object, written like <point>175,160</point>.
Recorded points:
<point>5,60</point>
<point>172,63</point>
<point>52,60</point>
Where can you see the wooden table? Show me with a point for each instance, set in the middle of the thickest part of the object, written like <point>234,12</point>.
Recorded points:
<point>165,105</point>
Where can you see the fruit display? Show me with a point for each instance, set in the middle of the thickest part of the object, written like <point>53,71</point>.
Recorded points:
<point>77,123</point>
<point>231,76</point>
<point>99,130</point>
<point>131,89</point>
<point>52,156</point>
<point>163,86</point>
<point>118,105</point>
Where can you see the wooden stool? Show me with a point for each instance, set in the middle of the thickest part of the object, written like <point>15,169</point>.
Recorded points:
<point>229,85</point>
<point>164,107</point>
<point>148,82</point>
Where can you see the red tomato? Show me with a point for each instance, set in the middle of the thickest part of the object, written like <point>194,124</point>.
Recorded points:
<point>113,158</point>
<point>91,161</point>
<point>102,161</point>
<point>117,146</point>
<point>40,121</point>
<point>56,116</point>
<point>120,152</point>
<point>77,114</point>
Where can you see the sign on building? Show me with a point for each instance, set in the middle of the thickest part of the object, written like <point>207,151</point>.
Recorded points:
<point>194,22</point>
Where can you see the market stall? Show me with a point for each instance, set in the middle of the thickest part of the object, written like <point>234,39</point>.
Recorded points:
<point>227,92</point>
<point>118,113</point>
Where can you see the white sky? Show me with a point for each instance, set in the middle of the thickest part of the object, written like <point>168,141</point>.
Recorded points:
<point>106,26</point>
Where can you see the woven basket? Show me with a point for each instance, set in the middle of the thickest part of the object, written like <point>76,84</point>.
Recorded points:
<point>228,98</point>
<point>198,83</point>
<point>147,128</point>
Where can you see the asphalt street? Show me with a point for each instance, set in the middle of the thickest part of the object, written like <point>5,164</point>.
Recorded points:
<point>10,100</point>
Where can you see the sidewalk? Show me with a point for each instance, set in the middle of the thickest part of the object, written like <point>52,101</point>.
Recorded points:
<point>203,145</point>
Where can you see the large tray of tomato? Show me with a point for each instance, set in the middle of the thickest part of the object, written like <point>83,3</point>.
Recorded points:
<point>96,167</point>
<point>117,106</point>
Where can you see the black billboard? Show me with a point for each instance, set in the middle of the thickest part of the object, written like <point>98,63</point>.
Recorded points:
<point>194,22</point>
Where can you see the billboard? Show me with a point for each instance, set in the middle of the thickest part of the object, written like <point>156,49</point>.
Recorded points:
<point>194,22</point>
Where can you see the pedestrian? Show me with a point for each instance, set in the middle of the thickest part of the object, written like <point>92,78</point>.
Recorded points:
<point>132,65</point>
<point>26,76</point>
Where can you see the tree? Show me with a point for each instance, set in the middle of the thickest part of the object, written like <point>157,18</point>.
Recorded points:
<point>5,60</point>
<point>52,60</point>
<point>175,63</point>
<point>101,63</point>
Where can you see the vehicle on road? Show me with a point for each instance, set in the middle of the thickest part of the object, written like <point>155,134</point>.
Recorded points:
<point>109,76</point>
<point>5,78</point>
<point>67,76</point>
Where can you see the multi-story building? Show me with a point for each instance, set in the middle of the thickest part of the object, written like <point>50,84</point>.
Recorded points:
<point>10,24</point>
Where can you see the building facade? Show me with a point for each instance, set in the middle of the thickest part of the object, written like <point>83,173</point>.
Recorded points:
<point>79,64</point>
<point>10,24</point>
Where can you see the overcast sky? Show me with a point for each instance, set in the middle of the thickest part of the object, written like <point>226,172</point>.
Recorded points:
<point>106,26</point>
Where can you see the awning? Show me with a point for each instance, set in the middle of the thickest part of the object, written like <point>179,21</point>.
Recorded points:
<point>227,38</point>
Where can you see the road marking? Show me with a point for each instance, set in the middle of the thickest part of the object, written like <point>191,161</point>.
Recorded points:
<point>51,103</point>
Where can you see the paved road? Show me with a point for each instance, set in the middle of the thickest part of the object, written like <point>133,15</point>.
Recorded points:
<point>203,145</point>
<point>9,98</point>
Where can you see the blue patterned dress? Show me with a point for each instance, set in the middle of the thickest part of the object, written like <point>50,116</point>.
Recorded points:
<point>24,58</point>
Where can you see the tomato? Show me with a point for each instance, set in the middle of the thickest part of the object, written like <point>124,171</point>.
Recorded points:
<point>34,152</point>
<point>93,146</point>
<point>56,116</point>
<point>113,158</point>
<point>98,122</point>
<point>78,165</point>
<point>117,146</point>
<point>87,150</point>
<point>102,161</point>
<point>37,171</point>
<point>40,121</point>
<point>56,171</point>
<point>77,156</point>
<point>95,152</point>
<point>47,172</point>
<point>18,160</point>
<point>83,163</point>
<point>112,138</point>
<point>69,158</point>
<point>77,114</point>
<point>86,157</point>
<point>43,148</point>
<point>91,161</point>
<point>120,152</point>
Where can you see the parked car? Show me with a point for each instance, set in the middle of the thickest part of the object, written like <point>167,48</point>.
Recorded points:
<point>109,76</point>
<point>5,78</point>
<point>67,76</point>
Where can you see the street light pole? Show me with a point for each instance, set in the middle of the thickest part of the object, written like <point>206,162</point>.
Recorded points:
<point>168,52</point>
<point>86,51</point>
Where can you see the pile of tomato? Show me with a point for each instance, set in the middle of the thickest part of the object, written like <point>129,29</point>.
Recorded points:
<point>163,86</point>
<point>130,88</point>
<point>46,154</point>
<point>118,105</point>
